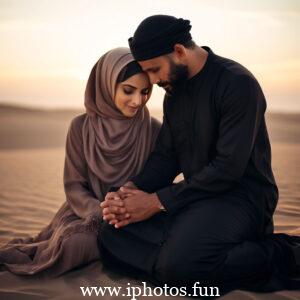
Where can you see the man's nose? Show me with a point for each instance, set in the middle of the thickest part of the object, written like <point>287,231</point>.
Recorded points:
<point>153,79</point>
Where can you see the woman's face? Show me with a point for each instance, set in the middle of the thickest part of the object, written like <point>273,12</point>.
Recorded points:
<point>132,94</point>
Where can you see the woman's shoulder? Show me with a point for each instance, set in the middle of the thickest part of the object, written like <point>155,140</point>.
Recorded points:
<point>76,124</point>
<point>77,121</point>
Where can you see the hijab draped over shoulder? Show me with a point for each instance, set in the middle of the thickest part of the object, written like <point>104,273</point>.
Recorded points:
<point>103,149</point>
<point>115,147</point>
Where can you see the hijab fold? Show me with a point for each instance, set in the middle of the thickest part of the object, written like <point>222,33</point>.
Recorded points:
<point>103,149</point>
<point>115,146</point>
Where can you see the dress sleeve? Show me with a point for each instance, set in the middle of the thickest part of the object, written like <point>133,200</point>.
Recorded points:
<point>79,196</point>
<point>242,111</point>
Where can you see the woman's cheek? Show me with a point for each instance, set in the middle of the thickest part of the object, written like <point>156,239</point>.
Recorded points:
<point>125,101</point>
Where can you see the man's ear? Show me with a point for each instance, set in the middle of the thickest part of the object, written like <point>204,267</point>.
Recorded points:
<point>180,52</point>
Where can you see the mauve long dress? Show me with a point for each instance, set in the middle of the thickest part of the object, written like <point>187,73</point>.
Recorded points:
<point>70,240</point>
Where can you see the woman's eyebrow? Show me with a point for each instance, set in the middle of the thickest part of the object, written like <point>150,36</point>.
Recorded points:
<point>132,86</point>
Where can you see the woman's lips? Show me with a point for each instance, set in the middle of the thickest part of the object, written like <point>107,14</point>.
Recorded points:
<point>133,108</point>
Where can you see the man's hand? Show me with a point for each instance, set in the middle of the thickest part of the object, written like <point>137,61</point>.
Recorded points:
<point>139,205</point>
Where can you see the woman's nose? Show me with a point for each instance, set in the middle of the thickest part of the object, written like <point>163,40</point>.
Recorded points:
<point>137,100</point>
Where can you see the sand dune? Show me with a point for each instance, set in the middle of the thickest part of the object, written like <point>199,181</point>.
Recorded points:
<point>31,190</point>
<point>24,128</point>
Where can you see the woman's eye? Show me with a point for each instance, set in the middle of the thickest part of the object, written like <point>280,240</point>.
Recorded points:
<point>127,92</point>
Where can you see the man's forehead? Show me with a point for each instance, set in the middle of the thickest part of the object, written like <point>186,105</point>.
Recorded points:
<point>149,64</point>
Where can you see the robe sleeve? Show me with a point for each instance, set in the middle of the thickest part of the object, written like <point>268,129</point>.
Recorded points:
<point>79,196</point>
<point>242,110</point>
<point>162,166</point>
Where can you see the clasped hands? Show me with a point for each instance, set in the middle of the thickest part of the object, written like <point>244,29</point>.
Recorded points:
<point>129,205</point>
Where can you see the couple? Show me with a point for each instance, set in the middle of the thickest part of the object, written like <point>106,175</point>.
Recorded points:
<point>216,225</point>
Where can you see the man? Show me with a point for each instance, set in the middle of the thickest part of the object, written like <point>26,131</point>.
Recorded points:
<point>215,226</point>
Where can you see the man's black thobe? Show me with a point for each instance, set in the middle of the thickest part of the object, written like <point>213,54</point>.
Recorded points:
<point>218,225</point>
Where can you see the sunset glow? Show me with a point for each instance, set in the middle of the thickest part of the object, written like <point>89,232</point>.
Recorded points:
<point>49,47</point>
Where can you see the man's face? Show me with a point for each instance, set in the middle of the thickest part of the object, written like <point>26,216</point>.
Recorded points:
<point>164,72</point>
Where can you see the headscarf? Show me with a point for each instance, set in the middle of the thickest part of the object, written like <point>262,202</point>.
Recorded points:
<point>115,146</point>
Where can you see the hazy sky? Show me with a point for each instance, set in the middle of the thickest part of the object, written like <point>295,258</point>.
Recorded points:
<point>47,48</point>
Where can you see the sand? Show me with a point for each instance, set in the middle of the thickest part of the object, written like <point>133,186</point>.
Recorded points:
<point>32,156</point>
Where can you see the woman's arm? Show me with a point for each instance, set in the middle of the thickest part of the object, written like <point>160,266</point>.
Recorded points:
<point>78,194</point>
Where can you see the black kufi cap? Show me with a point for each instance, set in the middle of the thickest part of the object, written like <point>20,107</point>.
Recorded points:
<point>157,35</point>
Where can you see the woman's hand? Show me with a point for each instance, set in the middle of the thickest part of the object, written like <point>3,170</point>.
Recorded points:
<point>113,209</point>
<point>130,185</point>
<point>128,206</point>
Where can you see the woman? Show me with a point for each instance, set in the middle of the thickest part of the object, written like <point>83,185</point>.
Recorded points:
<point>105,147</point>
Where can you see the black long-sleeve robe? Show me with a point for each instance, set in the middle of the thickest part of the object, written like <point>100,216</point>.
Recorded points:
<point>214,132</point>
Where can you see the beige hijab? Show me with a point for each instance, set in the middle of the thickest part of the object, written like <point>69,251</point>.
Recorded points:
<point>115,146</point>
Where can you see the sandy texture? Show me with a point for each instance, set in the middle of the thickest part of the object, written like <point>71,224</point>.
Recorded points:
<point>32,155</point>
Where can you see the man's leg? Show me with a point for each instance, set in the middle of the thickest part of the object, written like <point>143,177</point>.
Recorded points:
<point>218,242</point>
<point>136,245</point>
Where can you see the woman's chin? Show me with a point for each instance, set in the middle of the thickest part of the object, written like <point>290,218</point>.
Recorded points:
<point>130,112</point>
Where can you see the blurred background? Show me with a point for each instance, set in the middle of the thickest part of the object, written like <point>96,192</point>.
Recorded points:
<point>47,49</point>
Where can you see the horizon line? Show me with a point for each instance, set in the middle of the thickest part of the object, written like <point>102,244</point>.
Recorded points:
<point>44,108</point>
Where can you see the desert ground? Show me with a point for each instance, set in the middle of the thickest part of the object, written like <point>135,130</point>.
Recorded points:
<point>31,191</point>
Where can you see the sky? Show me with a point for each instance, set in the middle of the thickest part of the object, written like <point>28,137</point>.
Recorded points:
<point>48,47</point>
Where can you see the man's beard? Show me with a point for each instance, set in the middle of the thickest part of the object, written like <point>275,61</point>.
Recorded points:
<point>178,76</point>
